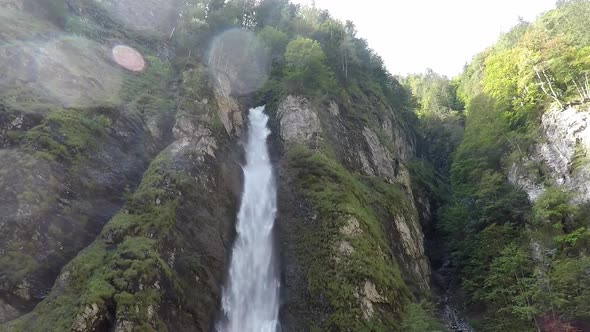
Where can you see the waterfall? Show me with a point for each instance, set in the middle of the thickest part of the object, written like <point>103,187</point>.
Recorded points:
<point>251,297</point>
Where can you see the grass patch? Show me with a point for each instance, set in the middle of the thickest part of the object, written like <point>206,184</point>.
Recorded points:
<point>419,317</point>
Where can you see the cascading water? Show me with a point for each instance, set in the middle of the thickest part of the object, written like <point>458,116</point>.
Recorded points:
<point>251,298</point>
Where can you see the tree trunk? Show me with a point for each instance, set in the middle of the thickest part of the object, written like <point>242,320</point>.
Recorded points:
<point>587,86</point>
<point>346,66</point>
<point>542,84</point>
<point>580,92</point>
<point>551,87</point>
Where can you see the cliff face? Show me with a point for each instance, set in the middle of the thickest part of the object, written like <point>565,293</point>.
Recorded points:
<point>159,262</point>
<point>349,228</point>
<point>560,158</point>
<point>70,144</point>
<point>119,190</point>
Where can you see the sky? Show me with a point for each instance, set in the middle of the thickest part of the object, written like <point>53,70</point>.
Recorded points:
<point>413,35</point>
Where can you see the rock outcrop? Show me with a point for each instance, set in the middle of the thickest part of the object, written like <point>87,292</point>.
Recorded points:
<point>52,208</point>
<point>560,157</point>
<point>299,122</point>
<point>74,138</point>
<point>159,262</point>
<point>373,152</point>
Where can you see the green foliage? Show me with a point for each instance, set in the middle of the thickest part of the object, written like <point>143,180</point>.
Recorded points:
<point>501,80</point>
<point>274,39</point>
<point>571,282</point>
<point>483,145</point>
<point>510,287</point>
<point>434,94</point>
<point>517,260</point>
<point>440,113</point>
<point>575,243</point>
<point>420,318</point>
<point>543,60</point>
<point>196,86</point>
<point>427,180</point>
<point>306,70</point>
<point>580,157</point>
<point>325,57</point>
<point>192,27</point>
<point>147,93</point>
<point>554,207</point>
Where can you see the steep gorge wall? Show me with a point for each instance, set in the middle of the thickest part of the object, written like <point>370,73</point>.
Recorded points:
<point>73,158</point>
<point>72,142</point>
<point>118,214</point>
<point>349,229</point>
<point>159,262</point>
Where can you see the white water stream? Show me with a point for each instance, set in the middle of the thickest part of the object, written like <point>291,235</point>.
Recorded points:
<point>251,298</point>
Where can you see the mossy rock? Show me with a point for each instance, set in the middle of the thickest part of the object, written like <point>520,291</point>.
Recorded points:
<point>342,278</point>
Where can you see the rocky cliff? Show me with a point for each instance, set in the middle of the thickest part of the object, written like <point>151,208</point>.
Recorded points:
<point>560,158</point>
<point>159,262</point>
<point>119,189</point>
<point>76,133</point>
<point>349,228</point>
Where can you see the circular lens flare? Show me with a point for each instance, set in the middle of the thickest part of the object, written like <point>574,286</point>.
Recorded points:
<point>128,58</point>
<point>239,61</point>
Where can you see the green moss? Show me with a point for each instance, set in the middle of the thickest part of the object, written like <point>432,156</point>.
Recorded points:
<point>147,92</point>
<point>19,264</point>
<point>199,98</point>
<point>126,276</point>
<point>337,195</point>
<point>67,134</point>
<point>98,290</point>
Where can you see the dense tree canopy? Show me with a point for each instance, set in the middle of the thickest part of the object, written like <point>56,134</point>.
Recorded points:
<point>519,262</point>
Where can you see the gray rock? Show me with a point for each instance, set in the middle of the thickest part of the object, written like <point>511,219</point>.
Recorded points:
<point>88,319</point>
<point>299,123</point>
<point>124,326</point>
<point>333,109</point>
<point>7,312</point>
<point>381,158</point>
<point>369,295</point>
<point>411,240</point>
<point>562,152</point>
<point>192,134</point>
<point>230,114</point>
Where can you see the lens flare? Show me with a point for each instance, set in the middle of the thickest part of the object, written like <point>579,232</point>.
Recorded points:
<point>239,62</point>
<point>65,71</point>
<point>128,58</point>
